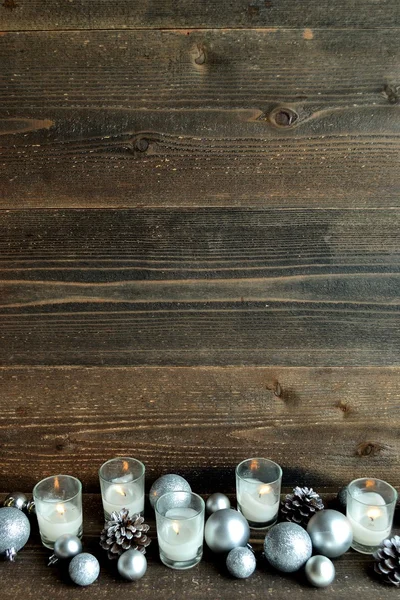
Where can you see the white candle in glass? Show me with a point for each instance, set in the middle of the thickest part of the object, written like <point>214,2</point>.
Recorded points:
<point>257,501</point>
<point>369,519</point>
<point>181,537</point>
<point>57,519</point>
<point>118,496</point>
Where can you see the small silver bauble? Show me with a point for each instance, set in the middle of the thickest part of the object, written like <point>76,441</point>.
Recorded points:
<point>167,483</point>
<point>16,500</point>
<point>132,565</point>
<point>241,562</point>
<point>84,569</point>
<point>14,531</point>
<point>226,529</point>
<point>331,533</point>
<point>216,502</point>
<point>287,547</point>
<point>66,546</point>
<point>320,571</point>
<point>342,498</point>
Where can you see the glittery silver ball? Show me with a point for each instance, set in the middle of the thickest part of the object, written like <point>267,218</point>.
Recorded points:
<point>167,483</point>
<point>216,502</point>
<point>132,565</point>
<point>67,546</point>
<point>14,531</point>
<point>16,500</point>
<point>226,529</point>
<point>84,569</point>
<point>241,562</point>
<point>287,547</point>
<point>342,498</point>
<point>331,533</point>
<point>320,571</point>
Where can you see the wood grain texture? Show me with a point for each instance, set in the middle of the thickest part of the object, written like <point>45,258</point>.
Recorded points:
<point>324,426</point>
<point>121,14</point>
<point>198,286</point>
<point>180,118</point>
<point>208,579</point>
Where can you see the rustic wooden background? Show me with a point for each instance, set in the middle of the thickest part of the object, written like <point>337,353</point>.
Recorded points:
<point>199,249</point>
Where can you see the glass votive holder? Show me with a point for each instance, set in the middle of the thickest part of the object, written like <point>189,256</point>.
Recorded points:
<point>258,488</point>
<point>58,504</point>
<point>370,510</point>
<point>122,485</point>
<point>180,529</point>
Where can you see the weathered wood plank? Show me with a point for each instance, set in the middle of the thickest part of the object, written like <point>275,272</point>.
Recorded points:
<point>198,286</point>
<point>166,118</point>
<point>208,579</point>
<point>324,426</point>
<point>121,14</point>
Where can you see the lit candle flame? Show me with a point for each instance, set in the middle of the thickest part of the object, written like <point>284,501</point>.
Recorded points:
<point>120,490</point>
<point>374,513</point>
<point>264,489</point>
<point>125,466</point>
<point>370,483</point>
<point>254,465</point>
<point>175,527</point>
<point>60,508</point>
<point>56,485</point>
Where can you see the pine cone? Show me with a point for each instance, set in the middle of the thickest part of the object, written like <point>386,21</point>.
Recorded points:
<point>123,532</point>
<point>301,505</point>
<point>387,560</point>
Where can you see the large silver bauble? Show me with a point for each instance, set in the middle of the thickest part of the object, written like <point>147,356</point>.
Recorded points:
<point>241,562</point>
<point>167,483</point>
<point>16,500</point>
<point>330,532</point>
<point>132,565</point>
<point>320,571</point>
<point>14,531</point>
<point>67,546</point>
<point>84,569</point>
<point>216,502</point>
<point>287,547</point>
<point>226,529</point>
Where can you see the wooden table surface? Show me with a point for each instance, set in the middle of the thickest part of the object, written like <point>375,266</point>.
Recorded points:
<point>30,574</point>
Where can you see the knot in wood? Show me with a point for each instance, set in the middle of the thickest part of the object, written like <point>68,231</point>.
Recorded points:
<point>141,144</point>
<point>284,117</point>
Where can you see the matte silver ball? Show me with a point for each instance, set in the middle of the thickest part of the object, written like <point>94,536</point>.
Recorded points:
<point>14,531</point>
<point>67,546</point>
<point>226,529</point>
<point>132,565</point>
<point>84,569</point>
<point>16,500</point>
<point>320,571</point>
<point>331,533</point>
<point>241,562</point>
<point>216,502</point>
<point>287,547</point>
<point>167,483</point>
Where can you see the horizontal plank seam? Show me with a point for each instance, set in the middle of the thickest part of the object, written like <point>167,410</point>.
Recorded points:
<point>273,29</point>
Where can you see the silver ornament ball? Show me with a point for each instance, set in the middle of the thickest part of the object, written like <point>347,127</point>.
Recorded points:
<point>226,529</point>
<point>330,532</point>
<point>67,546</point>
<point>320,571</point>
<point>132,565</point>
<point>216,502</point>
<point>84,569</point>
<point>241,562</point>
<point>167,483</point>
<point>16,500</point>
<point>14,531</point>
<point>287,547</point>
